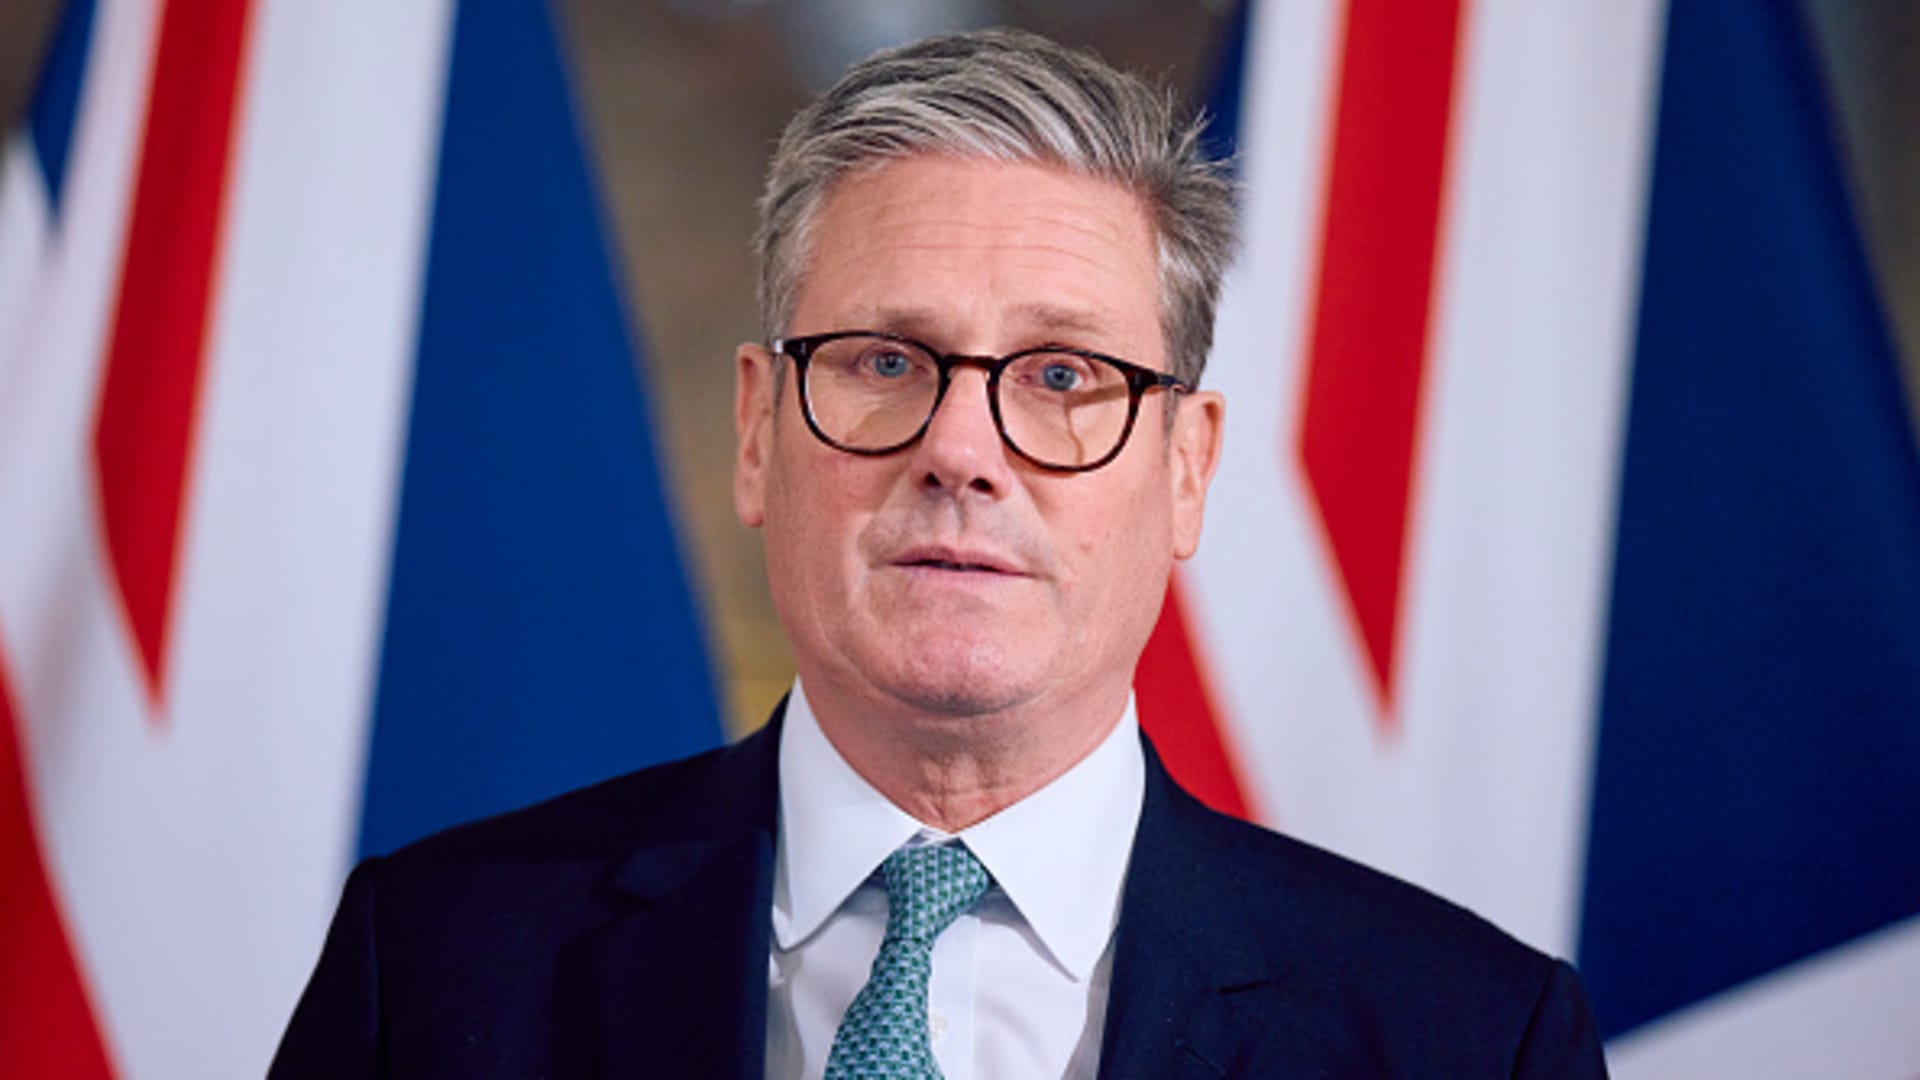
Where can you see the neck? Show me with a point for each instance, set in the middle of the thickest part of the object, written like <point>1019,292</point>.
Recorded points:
<point>950,771</point>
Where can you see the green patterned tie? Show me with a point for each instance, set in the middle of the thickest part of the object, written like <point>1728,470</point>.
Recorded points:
<point>884,1034</point>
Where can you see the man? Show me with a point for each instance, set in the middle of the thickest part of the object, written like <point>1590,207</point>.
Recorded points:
<point>975,445</point>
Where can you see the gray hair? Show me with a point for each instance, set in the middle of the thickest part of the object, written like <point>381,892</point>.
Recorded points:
<point>1013,96</point>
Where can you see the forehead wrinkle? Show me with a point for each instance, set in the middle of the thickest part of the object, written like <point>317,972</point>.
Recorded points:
<point>1033,318</point>
<point>948,211</point>
<point>957,196</point>
<point>1005,228</point>
<point>1082,313</point>
<point>1106,268</point>
<point>936,256</point>
<point>1087,258</point>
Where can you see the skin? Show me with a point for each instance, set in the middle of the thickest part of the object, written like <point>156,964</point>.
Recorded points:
<point>959,691</point>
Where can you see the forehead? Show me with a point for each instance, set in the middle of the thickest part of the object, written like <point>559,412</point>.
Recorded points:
<point>971,248</point>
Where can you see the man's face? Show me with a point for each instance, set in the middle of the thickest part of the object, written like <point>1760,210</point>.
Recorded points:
<point>953,577</point>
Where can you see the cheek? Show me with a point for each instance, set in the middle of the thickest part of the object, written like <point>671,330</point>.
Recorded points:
<point>1122,548</point>
<point>816,510</point>
<point>791,532</point>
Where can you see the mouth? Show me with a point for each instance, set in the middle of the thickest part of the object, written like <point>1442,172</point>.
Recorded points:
<point>956,561</point>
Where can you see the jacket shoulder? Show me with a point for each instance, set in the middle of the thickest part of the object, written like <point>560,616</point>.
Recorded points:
<point>471,952</point>
<point>665,803</point>
<point>1335,904</point>
<point>1343,963</point>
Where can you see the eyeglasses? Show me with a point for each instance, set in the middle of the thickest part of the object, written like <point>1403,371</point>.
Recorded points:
<point>1063,409</point>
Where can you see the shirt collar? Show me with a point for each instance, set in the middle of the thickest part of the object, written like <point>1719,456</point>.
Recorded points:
<point>835,828</point>
<point>1059,855</point>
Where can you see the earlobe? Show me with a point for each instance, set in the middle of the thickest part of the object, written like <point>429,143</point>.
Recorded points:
<point>753,432</point>
<point>1198,425</point>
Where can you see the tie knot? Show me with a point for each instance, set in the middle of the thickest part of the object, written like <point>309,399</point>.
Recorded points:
<point>928,888</point>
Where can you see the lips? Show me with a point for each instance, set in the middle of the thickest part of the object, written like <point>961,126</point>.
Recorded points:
<point>956,560</point>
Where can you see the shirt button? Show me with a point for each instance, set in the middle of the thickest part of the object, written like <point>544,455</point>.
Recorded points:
<point>936,1026</point>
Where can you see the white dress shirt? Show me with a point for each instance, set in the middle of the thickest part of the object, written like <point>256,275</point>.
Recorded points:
<point>1019,984</point>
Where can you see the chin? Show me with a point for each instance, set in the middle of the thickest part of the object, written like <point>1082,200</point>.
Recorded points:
<point>960,679</point>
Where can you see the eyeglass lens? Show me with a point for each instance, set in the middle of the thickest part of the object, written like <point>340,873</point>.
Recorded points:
<point>1059,408</point>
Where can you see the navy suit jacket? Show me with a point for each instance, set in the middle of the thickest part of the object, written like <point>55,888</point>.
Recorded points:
<point>623,930</point>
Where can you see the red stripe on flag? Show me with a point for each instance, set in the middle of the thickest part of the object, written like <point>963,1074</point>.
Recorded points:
<point>46,1023</point>
<point>1369,338</point>
<point>143,431</point>
<point>1177,712</point>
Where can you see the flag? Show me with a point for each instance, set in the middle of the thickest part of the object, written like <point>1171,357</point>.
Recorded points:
<point>329,508</point>
<point>1564,555</point>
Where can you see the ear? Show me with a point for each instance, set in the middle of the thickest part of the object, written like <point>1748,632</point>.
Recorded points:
<point>1197,428</point>
<point>753,432</point>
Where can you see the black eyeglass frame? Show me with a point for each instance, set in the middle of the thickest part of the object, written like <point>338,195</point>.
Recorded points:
<point>1139,381</point>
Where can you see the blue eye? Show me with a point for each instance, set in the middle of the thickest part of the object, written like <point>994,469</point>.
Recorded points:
<point>889,364</point>
<point>1061,377</point>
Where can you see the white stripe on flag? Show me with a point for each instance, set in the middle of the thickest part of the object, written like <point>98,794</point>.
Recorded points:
<point>1262,616</point>
<point>1510,567</point>
<point>1844,1005</point>
<point>311,355</point>
<point>84,737</point>
<point>198,857</point>
<point>1482,794</point>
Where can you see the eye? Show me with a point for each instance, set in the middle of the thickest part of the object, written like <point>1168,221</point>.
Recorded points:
<point>1060,377</point>
<point>889,363</point>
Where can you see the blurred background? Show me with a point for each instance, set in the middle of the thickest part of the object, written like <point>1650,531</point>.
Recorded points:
<point>683,102</point>
<point>1644,686</point>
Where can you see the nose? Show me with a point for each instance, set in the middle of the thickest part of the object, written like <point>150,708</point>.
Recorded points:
<point>961,450</point>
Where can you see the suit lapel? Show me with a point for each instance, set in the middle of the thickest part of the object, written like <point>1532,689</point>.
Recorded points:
<point>1182,954</point>
<point>680,977</point>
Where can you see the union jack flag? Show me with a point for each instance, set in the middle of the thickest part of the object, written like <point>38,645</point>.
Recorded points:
<point>328,509</point>
<point>1565,551</point>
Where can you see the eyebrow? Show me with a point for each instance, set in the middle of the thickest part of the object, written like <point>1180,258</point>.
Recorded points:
<point>1032,319</point>
<point>1053,318</point>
